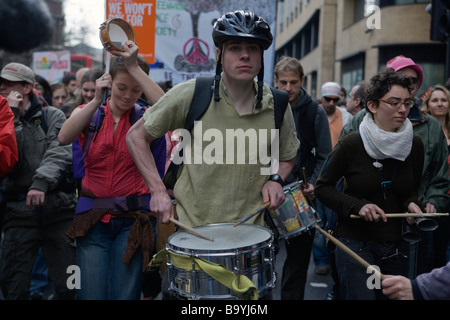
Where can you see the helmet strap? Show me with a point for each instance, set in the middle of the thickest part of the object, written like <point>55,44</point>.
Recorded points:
<point>217,77</point>
<point>260,83</point>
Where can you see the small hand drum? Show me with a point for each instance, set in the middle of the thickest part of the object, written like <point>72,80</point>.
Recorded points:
<point>114,33</point>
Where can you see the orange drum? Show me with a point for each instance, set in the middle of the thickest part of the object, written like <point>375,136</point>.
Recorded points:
<point>114,33</point>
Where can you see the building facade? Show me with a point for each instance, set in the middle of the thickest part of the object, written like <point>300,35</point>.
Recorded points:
<point>350,40</point>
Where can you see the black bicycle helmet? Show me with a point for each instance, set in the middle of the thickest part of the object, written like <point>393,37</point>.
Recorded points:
<point>241,25</point>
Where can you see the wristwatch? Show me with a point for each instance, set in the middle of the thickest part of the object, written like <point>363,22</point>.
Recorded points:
<point>276,178</point>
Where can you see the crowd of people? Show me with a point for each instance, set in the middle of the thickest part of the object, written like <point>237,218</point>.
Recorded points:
<point>382,149</point>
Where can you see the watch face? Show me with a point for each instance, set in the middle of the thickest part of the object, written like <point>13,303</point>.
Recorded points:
<point>276,178</point>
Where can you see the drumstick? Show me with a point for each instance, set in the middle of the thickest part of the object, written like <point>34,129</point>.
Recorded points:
<point>254,213</point>
<point>305,179</point>
<point>348,251</point>
<point>406,215</point>
<point>196,232</point>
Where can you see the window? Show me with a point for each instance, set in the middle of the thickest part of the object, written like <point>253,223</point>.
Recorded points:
<point>386,3</point>
<point>313,90</point>
<point>352,71</point>
<point>306,40</point>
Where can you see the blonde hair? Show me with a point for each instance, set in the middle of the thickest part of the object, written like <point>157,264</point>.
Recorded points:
<point>426,101</point>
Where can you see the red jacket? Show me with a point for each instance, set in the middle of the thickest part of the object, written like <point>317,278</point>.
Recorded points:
<point>8,144</point>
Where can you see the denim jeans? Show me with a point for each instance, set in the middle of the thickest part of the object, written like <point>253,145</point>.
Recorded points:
<point>391,257</point>
<point>103,275</point>
<point>319,248</point>
<point>39,278</point>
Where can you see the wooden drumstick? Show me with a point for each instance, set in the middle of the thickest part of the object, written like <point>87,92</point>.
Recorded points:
<point>305,179</point>
<point>254,213</point>
<point>190,229</point>
<point>348,251</point>
<point>406,215</point>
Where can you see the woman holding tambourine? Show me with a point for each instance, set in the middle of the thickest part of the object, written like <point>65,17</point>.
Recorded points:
<point>113,227</point>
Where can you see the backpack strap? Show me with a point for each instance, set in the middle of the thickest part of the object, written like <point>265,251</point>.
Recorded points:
<point>199,104</point>
<point>137,113</point>
<point>94,127</point>
<point>280,101</point>
<point>200,101</point>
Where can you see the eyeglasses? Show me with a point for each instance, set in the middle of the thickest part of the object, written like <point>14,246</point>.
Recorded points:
<point>408,103</point>
<point>336,100</point>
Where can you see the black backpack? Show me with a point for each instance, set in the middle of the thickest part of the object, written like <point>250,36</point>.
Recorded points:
<point>200,103</point>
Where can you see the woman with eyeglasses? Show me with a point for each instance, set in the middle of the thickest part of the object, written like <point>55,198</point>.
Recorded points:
<point>381,164</point>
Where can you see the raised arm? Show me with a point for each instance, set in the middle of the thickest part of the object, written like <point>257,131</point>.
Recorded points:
<point>79,118</point>
<point>150,88</point>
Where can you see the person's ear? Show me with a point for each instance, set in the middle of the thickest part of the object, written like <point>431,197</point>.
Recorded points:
<point>372,106</point>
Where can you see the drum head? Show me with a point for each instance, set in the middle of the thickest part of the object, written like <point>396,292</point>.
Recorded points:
<point>114,33</point>
<point>226,236</point>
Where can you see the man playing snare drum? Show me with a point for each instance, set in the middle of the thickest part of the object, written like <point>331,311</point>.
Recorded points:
<point>224,185</point>
<point>227,188</point>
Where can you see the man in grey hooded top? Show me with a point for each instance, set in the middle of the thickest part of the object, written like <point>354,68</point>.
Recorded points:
<point>315,144</point>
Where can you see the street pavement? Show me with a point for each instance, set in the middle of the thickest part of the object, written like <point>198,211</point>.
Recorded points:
<point>317,286</point>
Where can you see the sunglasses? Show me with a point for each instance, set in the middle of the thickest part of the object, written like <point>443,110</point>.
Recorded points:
<point>336,100</point>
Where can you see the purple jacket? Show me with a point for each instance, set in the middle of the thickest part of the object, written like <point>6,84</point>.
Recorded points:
<point>435,285</point>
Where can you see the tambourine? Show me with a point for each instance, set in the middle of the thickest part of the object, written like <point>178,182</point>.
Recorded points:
<point>114,33</point>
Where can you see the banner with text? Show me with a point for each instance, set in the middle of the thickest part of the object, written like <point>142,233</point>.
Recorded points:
<point>141,15</point>
<point>183,36</point>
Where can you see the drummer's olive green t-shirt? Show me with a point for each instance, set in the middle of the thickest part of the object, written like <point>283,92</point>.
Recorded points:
<point>223,172</point>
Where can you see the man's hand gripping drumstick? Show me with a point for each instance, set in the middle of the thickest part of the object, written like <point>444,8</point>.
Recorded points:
<point>308,189</point>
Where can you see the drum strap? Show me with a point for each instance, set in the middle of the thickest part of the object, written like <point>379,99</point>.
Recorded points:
<point>242,287</point>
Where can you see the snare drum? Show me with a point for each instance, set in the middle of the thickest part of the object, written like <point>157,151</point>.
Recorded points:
<point>245,250</point>
<point>295,216</point>
<point>114,33</point>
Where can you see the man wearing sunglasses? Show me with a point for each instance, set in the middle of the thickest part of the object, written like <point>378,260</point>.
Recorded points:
<point>337,117</point>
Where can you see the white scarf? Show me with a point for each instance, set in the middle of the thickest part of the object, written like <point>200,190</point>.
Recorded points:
<point>380,144</point>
